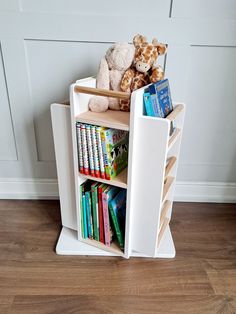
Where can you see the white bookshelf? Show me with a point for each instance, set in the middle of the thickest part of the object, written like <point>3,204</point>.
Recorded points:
<point>149,177</point>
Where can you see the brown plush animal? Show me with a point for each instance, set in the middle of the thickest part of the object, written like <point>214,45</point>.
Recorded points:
<point>143,70</point>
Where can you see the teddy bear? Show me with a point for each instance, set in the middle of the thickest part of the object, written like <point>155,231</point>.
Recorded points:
<point>113,65</point>
<point>143,70</point>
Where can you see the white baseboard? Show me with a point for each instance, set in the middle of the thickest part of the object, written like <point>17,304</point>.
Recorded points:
<point>14,188</point>
<point>218,192</point>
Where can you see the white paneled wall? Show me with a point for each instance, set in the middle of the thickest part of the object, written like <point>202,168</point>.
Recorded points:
<point>46,45</point>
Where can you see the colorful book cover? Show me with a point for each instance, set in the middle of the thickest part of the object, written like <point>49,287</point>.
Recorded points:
<point>164,97</point>
<point>89,214</point>
<point>115,148</point>
<point>84,149</point>
<point>117,207</point>
<point>148,104</point>
<point>80,150</point>
<point>95,210</point>
<point>101,188</point>
<point>90,149</point>
<point>153,97</point>
<point>95,151</point>
<point>100,152</point>
<point>107,195</point>
<point>85,217</point>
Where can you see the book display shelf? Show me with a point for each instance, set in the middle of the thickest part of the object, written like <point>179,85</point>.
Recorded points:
<point>149,177</point>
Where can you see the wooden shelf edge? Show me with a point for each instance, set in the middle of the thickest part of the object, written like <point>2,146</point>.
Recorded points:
<point>120,180</point>
<point>110,118</point>
<point>177,110</point>
<point>101,92</point>
<point>162,230</point>
<point>114,248</point>
<point>170,165</point>
<point>164,211</point>
<point>167,185</point>
<point>174,137</point>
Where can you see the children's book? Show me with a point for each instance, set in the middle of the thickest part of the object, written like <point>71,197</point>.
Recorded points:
<point>85,217</point>
<point>90,150</point>
<point>95,151</point>
<point>80,150</point>
<point>117,207</point>
<point>84,149</point>
<point>108,195</point>
<point>148,104</point>
<point>101,188</point>
<point>94,195</point>
<point>89,214</point>
<point>161,98</point>
<point>81,211</point>
<point>100,152</point>
<point>115,151</point>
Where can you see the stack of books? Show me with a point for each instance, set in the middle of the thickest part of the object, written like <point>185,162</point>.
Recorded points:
<point>103,152</point>
<point>157,99</point>
<point>103,209</point>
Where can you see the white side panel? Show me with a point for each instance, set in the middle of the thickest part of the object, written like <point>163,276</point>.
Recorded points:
<point>61,124</point>
<point>148,157</point>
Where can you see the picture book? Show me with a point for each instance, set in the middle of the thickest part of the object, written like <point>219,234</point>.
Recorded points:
<point>100,152</point>
<point>80,150</point>
<point>153,97</point>
<point>89,214</point>
<point>107,195</point>
<point>117,207</point>
<point>95,151</point>
<point>90,149</point>
<point>94,195</point>
<point>101,188</point>
<point>164,97</point>
<point>148,104</point>
<point>84,150</point>
<point>115,151</point>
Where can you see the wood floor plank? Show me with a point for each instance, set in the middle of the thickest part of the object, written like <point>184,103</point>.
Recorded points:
<point>201,279</point>
<point>121,304</point>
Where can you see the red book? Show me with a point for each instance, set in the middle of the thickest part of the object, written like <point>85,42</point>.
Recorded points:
<point>101,188</point>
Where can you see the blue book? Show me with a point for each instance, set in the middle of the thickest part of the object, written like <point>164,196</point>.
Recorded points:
<point>85,217</point>
<point>89,214</point>
<point>164,97</point>
<point>153,97</point>
<point>148,104</point>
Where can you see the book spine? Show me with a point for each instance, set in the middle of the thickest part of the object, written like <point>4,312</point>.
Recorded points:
<point>97,212</point>
<point>105,155</point>
<point>85,217</point>
<point>106,219</point>
<point>94,207</point>
<point>79,145</point>
<point>100,210</point>
<point>155,105</point>
<point>90,150</point>
<point>84,150</point>
<point>89,215</point>
<point>95,151</point>
<point>100,153</point>
<point>81,211</point>
<point>148,105</point>
<point>116,226</point>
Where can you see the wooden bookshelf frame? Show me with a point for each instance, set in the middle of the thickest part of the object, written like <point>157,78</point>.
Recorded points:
<point>145,235</point>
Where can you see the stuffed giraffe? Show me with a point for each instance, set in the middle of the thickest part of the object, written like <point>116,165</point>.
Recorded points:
<point>143,70</point>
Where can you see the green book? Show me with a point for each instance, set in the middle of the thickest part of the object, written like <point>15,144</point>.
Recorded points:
<point>81,210</point>
<point>94,193</point>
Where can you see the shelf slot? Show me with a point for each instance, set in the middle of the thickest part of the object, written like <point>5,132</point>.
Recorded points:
<point>177,110</point>
<point>110,118</point>
<point>167,185</point>
<point>170,165</point>
<point>174,137</point>
<point>114,248</point>
<point>120,180</point>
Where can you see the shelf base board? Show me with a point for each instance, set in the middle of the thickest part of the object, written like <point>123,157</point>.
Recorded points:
<point>68,244</point>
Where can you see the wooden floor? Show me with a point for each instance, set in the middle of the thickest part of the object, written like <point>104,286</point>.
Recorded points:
<point>201,279</point>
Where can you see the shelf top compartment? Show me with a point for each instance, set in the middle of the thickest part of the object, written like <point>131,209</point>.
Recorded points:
<point>110,118</point>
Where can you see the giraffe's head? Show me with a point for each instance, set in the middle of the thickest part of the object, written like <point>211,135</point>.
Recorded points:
<point>146,54</point>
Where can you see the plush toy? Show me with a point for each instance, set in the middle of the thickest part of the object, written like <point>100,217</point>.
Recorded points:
<point>117,60</point>
<point>144,69</point>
